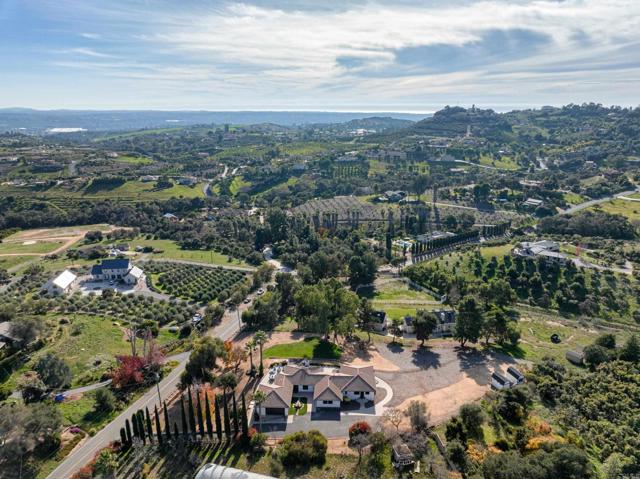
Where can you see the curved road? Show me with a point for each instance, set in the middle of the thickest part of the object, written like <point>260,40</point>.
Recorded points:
<point>590,203</point>
<point>111,432</point>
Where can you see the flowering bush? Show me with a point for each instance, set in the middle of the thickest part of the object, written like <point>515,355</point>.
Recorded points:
<point>360,427</point>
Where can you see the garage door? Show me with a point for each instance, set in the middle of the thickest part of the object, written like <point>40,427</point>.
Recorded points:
<point>273,411</point>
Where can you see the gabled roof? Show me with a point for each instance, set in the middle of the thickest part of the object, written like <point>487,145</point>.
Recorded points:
<point>119,263</point>
<point>136,272</point>
<point>366,374</point>
<point>278,394</point>
<point>64,279</point>
<point>326,390</point>
<point>515,373</point>
<point>500,378</point>
<point>96,269</point>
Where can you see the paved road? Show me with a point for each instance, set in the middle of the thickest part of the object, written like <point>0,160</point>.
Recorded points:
<point>81,456</point>
<point>590,203</point>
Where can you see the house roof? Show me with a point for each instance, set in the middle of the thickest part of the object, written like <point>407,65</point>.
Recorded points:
<point>366,374</point>
<point>515,373</point>
<point>119,263</point>
<point>96,269</point>
<point>326,390</point>
<point>136,272</point>
<point>4,330</point>
<point>500,378</point>
<point>64,279</point>
<point>278,393</point>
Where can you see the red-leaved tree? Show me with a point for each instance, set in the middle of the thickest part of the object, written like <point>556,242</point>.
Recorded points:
<point>129,371</point>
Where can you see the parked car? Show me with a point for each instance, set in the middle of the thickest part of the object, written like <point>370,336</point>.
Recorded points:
<point>247,300</point>
<point>260,292</point>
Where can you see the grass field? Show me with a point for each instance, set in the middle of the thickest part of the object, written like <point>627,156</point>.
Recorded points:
<point>134,160</point>
<point>628,209</point>
<point>537,327</point>
<point>573,198</point>
<point>237,184</point>
<point>37,247</point>
<point>503,163</point>
<point>88,344</point>
<point>7,262</point>
<point>311,348</point>
<point>171,250</point>
<point>398,299</point>
<point>128,192</point>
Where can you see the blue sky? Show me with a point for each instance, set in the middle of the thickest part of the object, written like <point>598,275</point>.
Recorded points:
<point>346,55</point>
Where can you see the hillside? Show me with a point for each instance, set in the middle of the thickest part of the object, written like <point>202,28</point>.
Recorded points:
<point>455,121</point>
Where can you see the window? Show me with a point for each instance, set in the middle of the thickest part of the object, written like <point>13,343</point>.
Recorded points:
<point>327,402</point>
<point>305,387</point>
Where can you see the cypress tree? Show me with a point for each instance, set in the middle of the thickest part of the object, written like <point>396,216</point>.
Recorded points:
<point>134,420</point>
<point>183,416</point>
<point>123,438</point>
<point>192,415</point>
<point>207,414</point>
<point>149,426</point>
<point>158,428</point>
<point>236,426</point>
<point>176,433</point>
<point>245,419</point>
<point>167,424</point>
<point>143,436</point>
<point>227,422</point>
<point>128,431</point>
<point>218,420</point>
<point>200,420</point>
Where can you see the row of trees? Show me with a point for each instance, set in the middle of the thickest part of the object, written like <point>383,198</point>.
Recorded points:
<point>227,420</point>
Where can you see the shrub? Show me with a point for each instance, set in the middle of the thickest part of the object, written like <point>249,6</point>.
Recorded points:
<point>105,400</point>
<point>302,448</point>
<point>258,441</point>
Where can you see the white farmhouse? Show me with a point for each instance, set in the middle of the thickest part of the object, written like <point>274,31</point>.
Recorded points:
<point>117,270</point>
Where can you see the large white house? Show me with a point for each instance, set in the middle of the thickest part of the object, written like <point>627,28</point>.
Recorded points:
<point>117,270</point>
<point>61,284</point>
<point>325,387</point>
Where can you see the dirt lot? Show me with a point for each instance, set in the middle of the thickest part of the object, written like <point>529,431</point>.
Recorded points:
<point>443,375</point>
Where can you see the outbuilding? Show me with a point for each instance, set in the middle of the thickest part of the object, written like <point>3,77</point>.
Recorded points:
<point>61,284</point>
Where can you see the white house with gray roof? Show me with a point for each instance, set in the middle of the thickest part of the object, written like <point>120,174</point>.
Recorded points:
<point>325,387</point>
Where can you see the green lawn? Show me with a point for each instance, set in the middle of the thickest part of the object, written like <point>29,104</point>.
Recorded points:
<point>311,348</point>
<point>171,250</point>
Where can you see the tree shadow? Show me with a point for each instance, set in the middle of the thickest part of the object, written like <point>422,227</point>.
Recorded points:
<point>424,358</point>
<point>395,348</point>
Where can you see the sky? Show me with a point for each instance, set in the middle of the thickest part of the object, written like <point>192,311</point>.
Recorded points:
<point>346,55</point>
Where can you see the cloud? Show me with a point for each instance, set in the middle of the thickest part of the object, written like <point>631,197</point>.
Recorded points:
<point>358,51</point>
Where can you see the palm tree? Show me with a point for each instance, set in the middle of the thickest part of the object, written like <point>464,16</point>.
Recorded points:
<point>250,347</point>
<point>260,338</point>
<point>259,397</point>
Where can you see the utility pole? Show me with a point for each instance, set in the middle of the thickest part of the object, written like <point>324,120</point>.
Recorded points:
<point>158,388</point>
